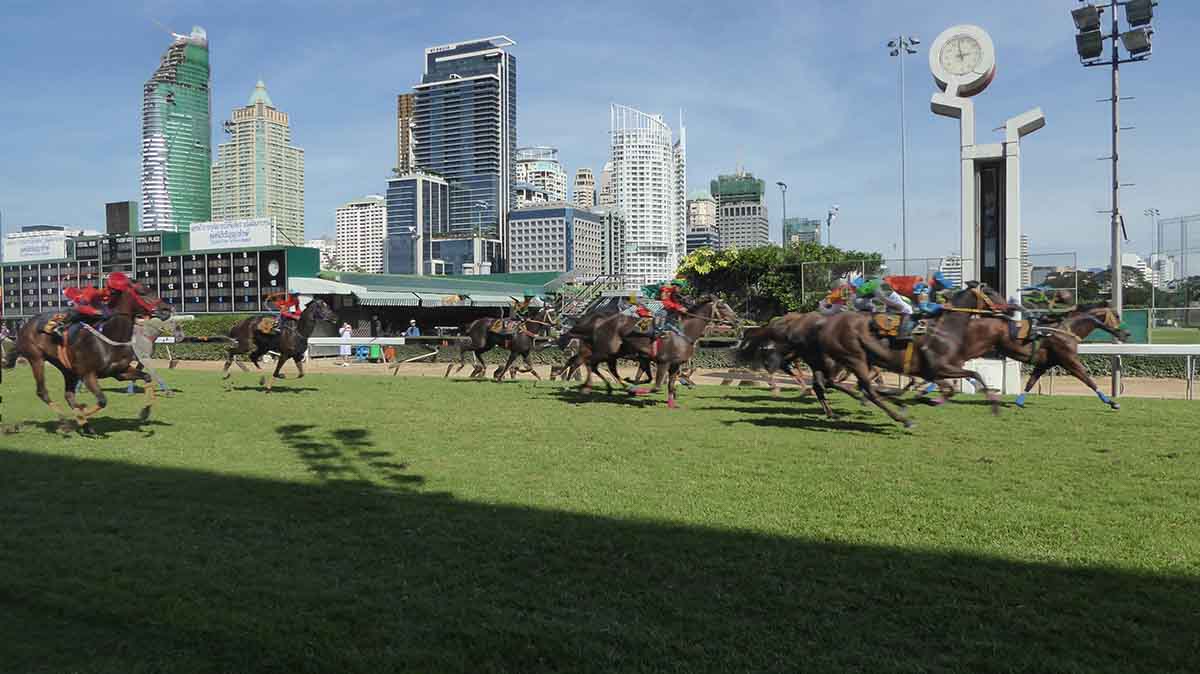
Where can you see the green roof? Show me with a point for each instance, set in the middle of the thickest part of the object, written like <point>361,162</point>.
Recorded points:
<point>260,95</point>
<point>506,285</point>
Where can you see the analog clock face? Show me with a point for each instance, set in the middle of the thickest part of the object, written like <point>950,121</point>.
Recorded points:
<point>961,55</point>
<point>273,268</point>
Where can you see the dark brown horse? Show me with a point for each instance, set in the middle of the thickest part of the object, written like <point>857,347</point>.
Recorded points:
<point>520,338</point>
<point>576,352</point>
<point>615,336</point>
<point>88,354</point>
<point>252,336</point>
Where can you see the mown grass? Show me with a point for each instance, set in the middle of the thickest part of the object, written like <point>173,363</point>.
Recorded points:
<point>1175,336</point>
<point>372,524</point>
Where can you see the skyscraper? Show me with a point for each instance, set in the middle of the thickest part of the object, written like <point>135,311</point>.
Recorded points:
<point>807,230</point>
<point>176,137</point>
<point>604,196</point>
<point>258,172</point>
<point>583,193</point>
<point>361,225</point>
<point>539,167</point>
<point>465,130</point>
<point>647,169</point>
<point>702,222</point>
<point>741,210</point>
<point>404,131</point>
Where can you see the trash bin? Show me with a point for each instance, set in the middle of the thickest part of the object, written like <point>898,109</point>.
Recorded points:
<point>361,352</point>
<point>376,352</point>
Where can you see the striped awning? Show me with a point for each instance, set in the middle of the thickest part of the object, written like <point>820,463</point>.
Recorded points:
<point>483,300</point>
<point>377,298</point>
<point>435,299</point>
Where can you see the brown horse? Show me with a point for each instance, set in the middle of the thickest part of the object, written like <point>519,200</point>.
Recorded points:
<point>291,342</point>
<point>88,354</point>
<point>577,351</point>
<point>616,335</point>
<point>479,338</point>
<point>1046,346</point>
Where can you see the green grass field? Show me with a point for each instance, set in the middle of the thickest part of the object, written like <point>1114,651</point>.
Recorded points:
<point>1175,336</point>
<point>378,524</point>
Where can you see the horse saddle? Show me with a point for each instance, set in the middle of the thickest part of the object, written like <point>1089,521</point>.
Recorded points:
<point>266,324</point>
<point>645,324</point>
<point>1020,330</point>
<point>887,325</point>
<point>498,326</point>
<point>921,327</point>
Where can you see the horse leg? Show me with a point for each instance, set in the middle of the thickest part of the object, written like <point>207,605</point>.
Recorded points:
<point>818,387</point>
<point>151,397</point>
<point>228,362</point>
<point>270,381</point>
<point>498,375</point>
<point>530,367</point>
<point>299,360</point>
<point>867,386</point>
<point>38,365</point>
<point>1073,366</point>
<point>1038,371</point>
<point>673,375</point>
<point>93,385</point>
<point>963,373</point>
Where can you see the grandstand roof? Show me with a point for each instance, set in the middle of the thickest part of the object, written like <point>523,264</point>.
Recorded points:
<point>483,290</point>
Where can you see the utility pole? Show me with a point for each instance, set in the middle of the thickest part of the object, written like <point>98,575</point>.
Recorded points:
<point>1117,279</point>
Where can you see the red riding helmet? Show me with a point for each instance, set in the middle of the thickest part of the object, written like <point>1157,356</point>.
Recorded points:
<point>119,282</point>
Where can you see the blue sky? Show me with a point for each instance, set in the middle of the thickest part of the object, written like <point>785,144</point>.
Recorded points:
<point>801,91</point>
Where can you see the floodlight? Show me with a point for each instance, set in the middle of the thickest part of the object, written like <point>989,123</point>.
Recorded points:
<point>894,52</point>
<point>891,43</point>
<point>914,41</point>
<point>1139,12</point>
<point>1086,18</point>
<point>1089,44</point>
<point>1137,41</point>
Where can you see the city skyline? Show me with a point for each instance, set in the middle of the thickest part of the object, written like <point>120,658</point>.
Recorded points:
<point>835,147</point>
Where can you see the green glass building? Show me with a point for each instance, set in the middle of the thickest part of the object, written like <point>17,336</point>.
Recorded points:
<point>177,138</point>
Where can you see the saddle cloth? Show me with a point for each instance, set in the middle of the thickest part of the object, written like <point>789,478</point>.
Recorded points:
<point>645,324</point>
<point>500,325</point>
<point>887,325</point>
<point>53,322</point>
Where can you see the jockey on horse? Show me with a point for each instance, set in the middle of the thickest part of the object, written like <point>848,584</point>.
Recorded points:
<point>89,304</point>
<point>288,306</point>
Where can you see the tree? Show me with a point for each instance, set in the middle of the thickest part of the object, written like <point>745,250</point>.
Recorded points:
<point>771,280</point>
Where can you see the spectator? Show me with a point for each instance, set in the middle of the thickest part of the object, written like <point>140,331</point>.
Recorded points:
<point>344,350</point>
<point>413,330</point>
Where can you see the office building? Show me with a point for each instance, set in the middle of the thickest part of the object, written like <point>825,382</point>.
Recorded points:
<point>613,250</point>
<point>583,192</point>
<point>121,217</point>
<point>556,237</point>
<point>605,197</point>
<point>177,138</point>
<point>465,130</point>
<point>701,211</point>
<point>647,170</point>
<point>741,210</point>
<point>539,166</point>
<point>525,194</point>
<point>327,249</point>
<point>421,239</point>
<point>258,172</point>
<point>703,238</point>
<point>361,226</point>
<point>796,230</point>
<point>404,134</point>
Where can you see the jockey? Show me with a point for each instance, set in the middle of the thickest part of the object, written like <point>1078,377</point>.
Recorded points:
<point>896,303</point>
<point>523,309</point>
<point>672,304</point>
<point>288,305</point>
<point>925,306</point>
<point>88,305</point>
<point>865,295</point>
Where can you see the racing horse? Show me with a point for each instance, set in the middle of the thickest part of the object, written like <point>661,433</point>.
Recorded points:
<point>254,336</point>
<point>87,354</point>
<point>616,335</point>
<point>480,337</point>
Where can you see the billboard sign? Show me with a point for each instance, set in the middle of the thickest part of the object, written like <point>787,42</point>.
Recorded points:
<point>35,246</point>
<point>232,234</point>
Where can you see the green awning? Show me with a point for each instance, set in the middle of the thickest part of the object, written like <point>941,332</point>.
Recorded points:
<point>385,299</point>
<point>484,300</point>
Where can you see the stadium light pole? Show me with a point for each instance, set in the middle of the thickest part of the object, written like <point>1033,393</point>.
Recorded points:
<point>783,222</point>
<point>900,47</point>
<point>1089,43</point>
<point>830,216</point>
<point>1153,214</point>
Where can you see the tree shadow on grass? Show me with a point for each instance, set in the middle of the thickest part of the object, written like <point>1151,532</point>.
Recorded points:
<point>111,567</point>
<point>346,455</point>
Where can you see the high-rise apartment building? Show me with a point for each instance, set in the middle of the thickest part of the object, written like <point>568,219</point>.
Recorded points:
<point>679,151</point>
<point>421,239</point>
<point>701,212</point>
<point>558,238</point>
<point>258,172</point>
<point>539,167</point>
<point>327,249</point>
<point>807,230</point>
<point>613,258</point>
<point>361,225</point>
<point>741,210</point>
<point>404,134</point>
<point>465,130</point>
<point>605,197</point>
<point>177,138</point>
<point>583,192</point>
<point>648,167</point>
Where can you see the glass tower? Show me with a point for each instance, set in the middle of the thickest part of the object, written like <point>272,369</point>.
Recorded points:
<point>465,130</point>
<point>177,138</point>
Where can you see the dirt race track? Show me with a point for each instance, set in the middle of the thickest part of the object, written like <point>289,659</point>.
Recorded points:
<point>1137,387</point>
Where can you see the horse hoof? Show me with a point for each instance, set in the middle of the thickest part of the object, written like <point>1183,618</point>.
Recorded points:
<point>672,405</point>
<point>281,376</point>
<point>909,424</point>
<point>937,402</point>
<point>144,415</point>
<point>225,376</point>
<point>639,392</point>
<point>1116,406</point>
<point>262,381</point>
<point>585,390</point>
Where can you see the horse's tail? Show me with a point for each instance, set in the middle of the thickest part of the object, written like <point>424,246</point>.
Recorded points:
<point>751,344</point>
<point>873,347</point>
